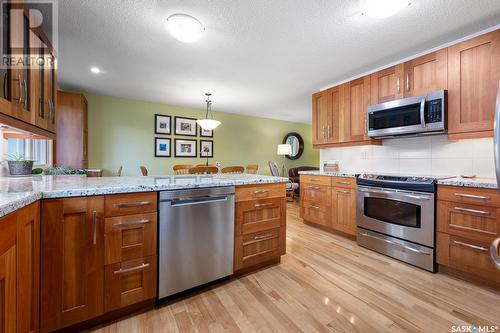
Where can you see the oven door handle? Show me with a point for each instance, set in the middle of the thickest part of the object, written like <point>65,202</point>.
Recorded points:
<point>413,196</point>
<point>422,112</point>
<point>396,244</point>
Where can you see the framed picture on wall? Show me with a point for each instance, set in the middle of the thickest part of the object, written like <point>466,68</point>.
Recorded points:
<point>185,126</point>
<point>162,147</point>
<point>185,148</point>
<point>206,133</point>
<point>162,124</point>
<point>206,148</point>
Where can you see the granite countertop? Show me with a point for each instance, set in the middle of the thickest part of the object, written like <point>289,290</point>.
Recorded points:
<point>16,193</point>
<point>490,183</point>
<point>330,174</point>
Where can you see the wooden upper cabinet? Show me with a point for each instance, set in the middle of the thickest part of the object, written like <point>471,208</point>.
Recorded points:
<point>357,99</point>
<point>387,84</point>
<point>474,72</point>
<point>72,261</point>
<point>426,73</point>
<point>319,117</point>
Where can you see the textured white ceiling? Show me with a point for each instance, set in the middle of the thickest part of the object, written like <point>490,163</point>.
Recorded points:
<point>260,57</point>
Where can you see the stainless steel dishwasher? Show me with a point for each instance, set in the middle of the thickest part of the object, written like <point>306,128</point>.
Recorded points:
<point>196,238</point>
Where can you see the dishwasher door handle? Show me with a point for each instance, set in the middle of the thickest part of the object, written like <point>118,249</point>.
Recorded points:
<point>197,201</point>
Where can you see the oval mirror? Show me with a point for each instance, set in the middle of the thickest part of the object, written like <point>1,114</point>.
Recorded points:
<point>295,140</point>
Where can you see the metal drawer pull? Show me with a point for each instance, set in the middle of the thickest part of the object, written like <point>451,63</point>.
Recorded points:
<point>127,224</point>
<point>474,211</point>
<point>262,191</point>
<point>314,188</point>
<point>344,183</point>
<point>344,192</point>
<point>94,226</point>
<point>263,236</point>
<point>314,207</point>
<point>263,205</point>
<point>133,204</point>
<point>475,247</point>
<point>131,269</point>
<point>472,196</point>
<point>396,244</point>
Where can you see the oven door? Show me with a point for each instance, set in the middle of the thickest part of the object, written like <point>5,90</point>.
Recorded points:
<point>402,214</point>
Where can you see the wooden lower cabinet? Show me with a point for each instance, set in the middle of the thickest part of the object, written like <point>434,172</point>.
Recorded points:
<point>72,279</point>
<point>332,207</point>
<point>95,263</point>
<point>19,270</point>
<point>129,282</point>
<point>259,227</point>
<point>467,224</point>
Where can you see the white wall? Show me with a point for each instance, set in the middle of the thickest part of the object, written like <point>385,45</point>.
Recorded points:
<point>433,156</point>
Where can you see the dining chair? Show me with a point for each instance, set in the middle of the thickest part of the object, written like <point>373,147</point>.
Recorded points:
<point>200,170</point>
<point>182,169</point>
<point>119,172</point>
<point>252,168</point>
<point>144,170</point>
<point>275,171</point>
<point>290,187</point>
<point>233,169</point>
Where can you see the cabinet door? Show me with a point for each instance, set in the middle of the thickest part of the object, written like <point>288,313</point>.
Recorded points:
<point>50,91</point>
<point>426,73</point>
<point>335,99</point>
<point>357,99</point>
<point>8,293</point>
<point>474,71</point>
<point>5,74</point>
<point>259,215</point>
<point>387,84</point>
<point>85,133</point>
<point>28,268</point>
<point>320,117</point>
<point>256,248</point>
<point>20,74</point>
<point>72,261</point>
<point>344,210</point>
<point>38,101</point>
<point>8,290</point>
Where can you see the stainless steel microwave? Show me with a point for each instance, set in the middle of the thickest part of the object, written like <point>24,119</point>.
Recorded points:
<point>425,114</point>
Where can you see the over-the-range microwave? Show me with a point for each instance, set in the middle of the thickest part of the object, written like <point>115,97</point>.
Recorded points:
<point>417,115</point>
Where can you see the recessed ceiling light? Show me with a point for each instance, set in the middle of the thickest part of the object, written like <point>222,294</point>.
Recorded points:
<point>95,70</point>
<point>382,8</point>
<point>184,28</point>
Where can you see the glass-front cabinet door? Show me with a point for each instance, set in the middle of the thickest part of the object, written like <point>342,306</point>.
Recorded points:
<point>50,74</point>
<point>38,101</point>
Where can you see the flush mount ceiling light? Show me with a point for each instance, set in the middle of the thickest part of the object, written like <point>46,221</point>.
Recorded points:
<point>208,123</point>
<point>382,8</point>
<point>95,70</point>
<point>184,28</point>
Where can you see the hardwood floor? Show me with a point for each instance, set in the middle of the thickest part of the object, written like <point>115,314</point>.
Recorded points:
<point>326,283</point>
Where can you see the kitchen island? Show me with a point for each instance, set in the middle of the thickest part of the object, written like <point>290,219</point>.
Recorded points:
<point>95,240</point>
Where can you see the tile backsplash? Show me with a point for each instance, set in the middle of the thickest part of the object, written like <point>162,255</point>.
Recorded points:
<point>433,155</point>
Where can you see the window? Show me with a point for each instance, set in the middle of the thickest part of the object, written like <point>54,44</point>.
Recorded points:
<point>37,150</point>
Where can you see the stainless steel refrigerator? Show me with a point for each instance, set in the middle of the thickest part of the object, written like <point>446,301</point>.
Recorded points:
<point>496,139</point>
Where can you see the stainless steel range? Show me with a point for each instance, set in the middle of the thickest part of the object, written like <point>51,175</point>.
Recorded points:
<point>396,217</point>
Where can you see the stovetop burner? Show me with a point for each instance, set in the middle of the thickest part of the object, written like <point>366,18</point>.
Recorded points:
<point>410,183</point>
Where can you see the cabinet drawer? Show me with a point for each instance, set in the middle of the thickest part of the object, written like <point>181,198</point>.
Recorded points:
<point>472,196</point>
<point>319,180</point>
<point>466,255</point>
<point>245,193</point>
<point>258,215</point>
<point>316,214</point>
<point>129,237</point>
<point>319,194</point>
<point>133,203</point>
<point>256,248</point>
<point>471,221</point>
<point>129,282</point>
<point>344,182</point>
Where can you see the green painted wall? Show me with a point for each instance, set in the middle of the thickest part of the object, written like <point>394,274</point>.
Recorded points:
<point>121,132</point>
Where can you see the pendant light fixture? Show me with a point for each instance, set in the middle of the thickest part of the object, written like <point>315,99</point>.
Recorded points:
<point>208,123</point>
